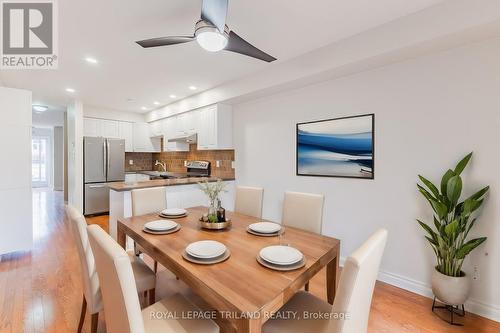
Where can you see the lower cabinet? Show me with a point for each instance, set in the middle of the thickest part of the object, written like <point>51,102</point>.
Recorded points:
<point>178,196</point>
<point>185,196</point>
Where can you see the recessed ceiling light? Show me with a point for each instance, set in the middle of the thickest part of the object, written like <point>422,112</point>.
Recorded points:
<point>70,90</point>
<point>192,88</point>
<point>156,103</point>
<point>40,108</point>
<point>130,99</point>
<point>173,96</point>
<point>91,60</point>
<point>143,108</point>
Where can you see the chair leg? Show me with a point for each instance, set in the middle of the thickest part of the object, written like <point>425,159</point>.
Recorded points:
<point>82,314</point>
<point>95,321</point>
<point>156,267</point>
<point>152,296</point>
<point>306,287</point>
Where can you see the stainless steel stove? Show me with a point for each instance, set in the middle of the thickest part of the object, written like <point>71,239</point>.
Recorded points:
<point>198,169</point>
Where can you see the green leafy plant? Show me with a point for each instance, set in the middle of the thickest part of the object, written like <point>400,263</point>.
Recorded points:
<point>452,219</point>
<point>212,190</point>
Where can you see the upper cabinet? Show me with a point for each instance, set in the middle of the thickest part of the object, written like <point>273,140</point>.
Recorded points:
<point>138,136</point>
<point>110,129</point>
<point>127,133</point>
<point>91,127</point>
<point>212,124</point>
<point>156,129</point>
<point>215,130</point>
<point>143,142</point>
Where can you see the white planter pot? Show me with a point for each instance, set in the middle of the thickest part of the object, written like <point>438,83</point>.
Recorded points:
<point>451,290</point>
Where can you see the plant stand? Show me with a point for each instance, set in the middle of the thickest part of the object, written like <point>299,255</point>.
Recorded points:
<point>452,309</point>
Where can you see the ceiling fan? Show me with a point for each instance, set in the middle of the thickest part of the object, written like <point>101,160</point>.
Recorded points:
<point>212,34</point>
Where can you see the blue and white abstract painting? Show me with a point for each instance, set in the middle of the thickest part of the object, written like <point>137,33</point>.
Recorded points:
<point>340,147</point>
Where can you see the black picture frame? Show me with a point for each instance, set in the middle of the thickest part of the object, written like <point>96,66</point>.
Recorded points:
<point>372,115</point>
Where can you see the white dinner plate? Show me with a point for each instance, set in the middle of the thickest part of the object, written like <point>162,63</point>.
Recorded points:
<point>160,225</point>
<point>173,211</point>
<point>265,227</point>
<point>206,249</point>
<point>281,255</point>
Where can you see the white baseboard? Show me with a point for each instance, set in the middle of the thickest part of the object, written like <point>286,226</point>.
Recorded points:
<point>490,311</point>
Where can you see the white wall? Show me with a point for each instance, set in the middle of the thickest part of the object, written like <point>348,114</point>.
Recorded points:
<point>16,227</point>
<point>58,146</point>
<point>75,154</point>
<point>101,113</point>
<point>429,112</point>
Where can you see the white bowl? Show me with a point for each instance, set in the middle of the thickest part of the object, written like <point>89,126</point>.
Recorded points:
<point>206,249</point>
<point>265,227</point>
<point>281,255</point>
<point>160,225</point>
<point>173,211</point>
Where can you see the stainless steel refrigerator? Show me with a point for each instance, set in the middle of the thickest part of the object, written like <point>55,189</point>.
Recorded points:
<point>104,162</point>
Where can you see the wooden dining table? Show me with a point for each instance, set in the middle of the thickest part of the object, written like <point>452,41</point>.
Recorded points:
<point>241,290</point>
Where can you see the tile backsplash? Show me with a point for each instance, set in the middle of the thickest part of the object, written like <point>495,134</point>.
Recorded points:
<point>142,161</point>
<point>175,160</point>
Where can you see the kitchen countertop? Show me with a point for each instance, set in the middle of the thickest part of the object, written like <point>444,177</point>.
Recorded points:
<point>124,186</point>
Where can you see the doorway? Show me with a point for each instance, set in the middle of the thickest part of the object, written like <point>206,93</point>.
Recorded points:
<point>40,161</point>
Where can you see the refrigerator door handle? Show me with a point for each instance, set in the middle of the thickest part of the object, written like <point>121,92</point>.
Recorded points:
<point>97,186</point>
<point>104,159</point>
<point>108,160</point>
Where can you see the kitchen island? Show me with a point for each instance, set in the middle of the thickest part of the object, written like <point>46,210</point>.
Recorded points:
<point>181,193</point>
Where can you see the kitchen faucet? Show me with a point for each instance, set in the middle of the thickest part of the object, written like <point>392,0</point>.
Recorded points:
<point>163,165</point>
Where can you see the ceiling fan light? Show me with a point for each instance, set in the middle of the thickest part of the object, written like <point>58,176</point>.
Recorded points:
<point>211,40</point>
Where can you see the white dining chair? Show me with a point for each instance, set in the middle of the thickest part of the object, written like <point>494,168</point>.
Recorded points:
<point>303,211</point>
<point>248,201</point>
<point>145,279</point>
<point>148,201</point>
<point>121,303</point>
<point>351,307</point>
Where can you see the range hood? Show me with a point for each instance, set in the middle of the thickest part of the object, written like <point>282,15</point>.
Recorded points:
<point>188,138</point>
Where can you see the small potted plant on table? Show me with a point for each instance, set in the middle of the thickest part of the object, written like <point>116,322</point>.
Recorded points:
<point>216,217</point>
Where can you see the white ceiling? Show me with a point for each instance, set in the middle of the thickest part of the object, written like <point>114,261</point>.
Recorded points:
<point>107,30</point>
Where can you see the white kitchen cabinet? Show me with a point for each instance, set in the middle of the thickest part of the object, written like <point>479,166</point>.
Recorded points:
<point>143,142</point>
<point>91,127</point>
<point>170,130</point>
<point>110,129</point>
<point>127,133</point>
<point>156,128</point>
<point>215,130</point>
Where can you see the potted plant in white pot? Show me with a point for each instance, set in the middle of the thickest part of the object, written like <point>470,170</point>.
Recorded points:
<point>453,219</point>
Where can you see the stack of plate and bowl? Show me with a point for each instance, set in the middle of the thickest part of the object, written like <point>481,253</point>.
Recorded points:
<point>206,252</point>
<point>161,227</point>
<point>173,213</point>
<point>265,229</point>
<point>281,258</point>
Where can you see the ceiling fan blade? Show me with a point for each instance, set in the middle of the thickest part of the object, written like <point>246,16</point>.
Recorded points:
<point>215,12</point>
<point>237,44</point>
<point>162,41</point>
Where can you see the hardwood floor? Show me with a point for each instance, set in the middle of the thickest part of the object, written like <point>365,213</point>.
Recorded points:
<point>40,291</point>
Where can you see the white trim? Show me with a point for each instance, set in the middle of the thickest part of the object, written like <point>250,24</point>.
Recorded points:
<point>490,311</point>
